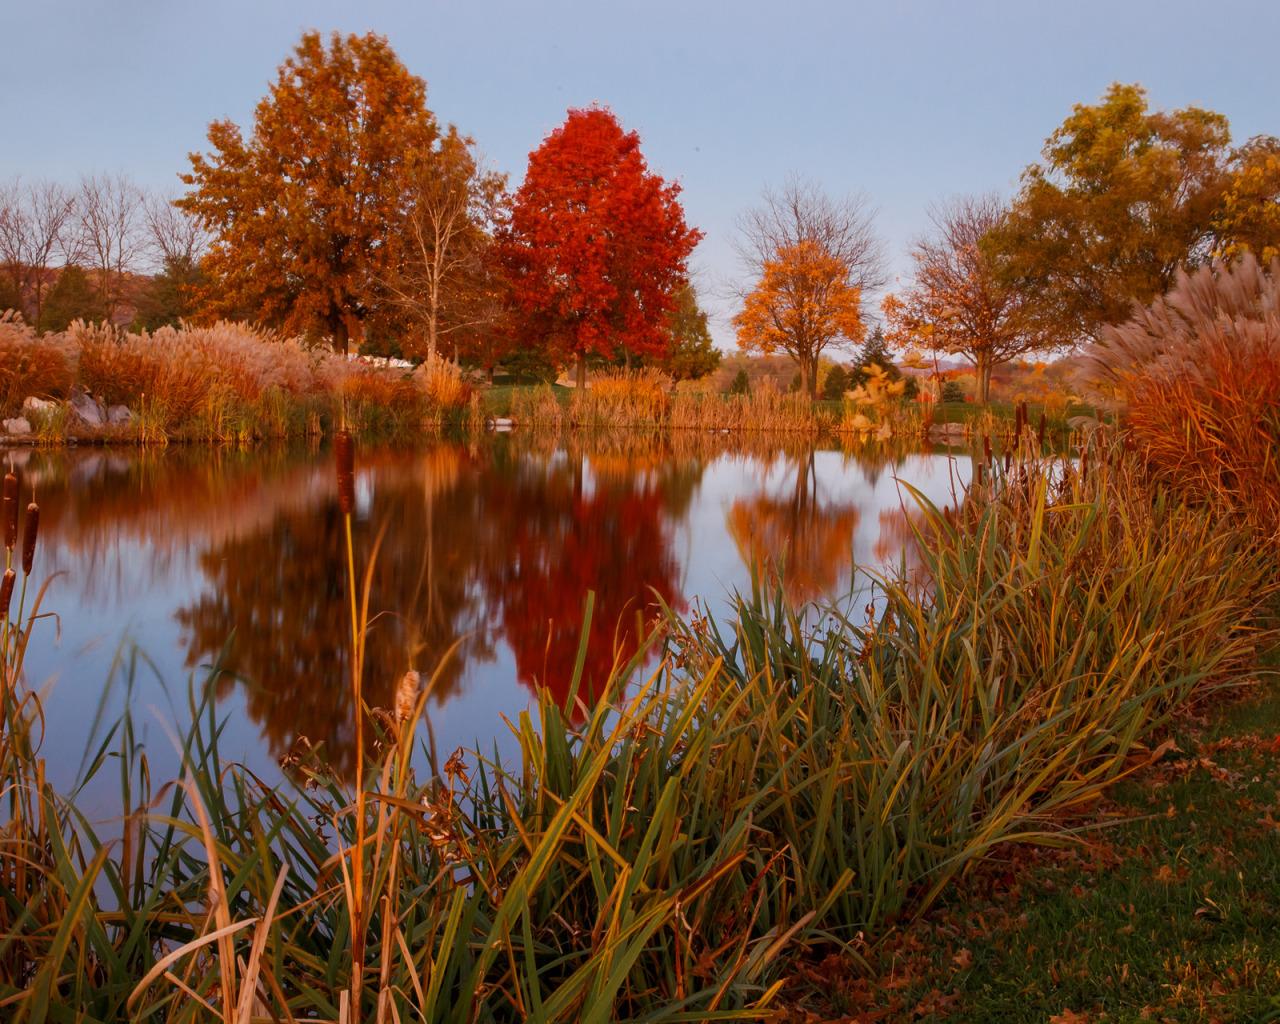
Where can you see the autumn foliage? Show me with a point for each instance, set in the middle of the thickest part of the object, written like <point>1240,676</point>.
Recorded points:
<point>803,302</point>
<point>306,211</point>
<point>598,246</point>
<point>957,303</point>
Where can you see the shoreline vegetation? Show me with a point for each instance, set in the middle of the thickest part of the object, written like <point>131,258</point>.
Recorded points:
<point>766,794</point>
<point>235,384</point>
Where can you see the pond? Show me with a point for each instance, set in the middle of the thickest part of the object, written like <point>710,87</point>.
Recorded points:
<point>165,561</point>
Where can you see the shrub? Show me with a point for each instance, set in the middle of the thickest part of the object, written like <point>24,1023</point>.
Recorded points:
<point>835,384</point>
<point>31,365</point>
<point>741,384</point>
<point>952,391</point>
<point>1197,376</point>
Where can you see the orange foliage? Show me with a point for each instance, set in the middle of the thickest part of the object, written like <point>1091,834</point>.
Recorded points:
<point>803,302</point>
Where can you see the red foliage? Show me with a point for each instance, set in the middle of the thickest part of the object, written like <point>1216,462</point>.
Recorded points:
<point>597,246</point>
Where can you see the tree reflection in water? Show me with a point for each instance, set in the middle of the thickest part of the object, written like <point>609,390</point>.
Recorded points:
<point>476,547</point>
<point>799,535</point>
<point>487,554</point>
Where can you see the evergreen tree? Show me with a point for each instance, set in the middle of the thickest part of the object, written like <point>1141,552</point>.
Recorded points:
<point>693,355</point>
<point>874,350</point>
<point>10,296</point>
<point>171,295</point>
<point>72,297</point>
<point>741,384</point>
<point>836,383</point>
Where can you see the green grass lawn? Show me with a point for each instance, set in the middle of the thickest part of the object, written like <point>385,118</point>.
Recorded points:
<point>497,398</point>
<point>1169,913</point>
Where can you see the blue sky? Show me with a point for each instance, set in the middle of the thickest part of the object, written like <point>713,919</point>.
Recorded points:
<point>908,102</point>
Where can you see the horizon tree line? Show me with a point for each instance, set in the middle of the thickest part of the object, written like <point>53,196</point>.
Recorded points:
<point>377,225</point>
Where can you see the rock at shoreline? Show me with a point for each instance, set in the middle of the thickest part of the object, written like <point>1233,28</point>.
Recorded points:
<point>38,407</point>
<point>119,416</point>
<point>88,410</point>
<point>18,426</point>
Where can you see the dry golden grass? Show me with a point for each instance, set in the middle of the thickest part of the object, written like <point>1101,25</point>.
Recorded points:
<point>31,365</point>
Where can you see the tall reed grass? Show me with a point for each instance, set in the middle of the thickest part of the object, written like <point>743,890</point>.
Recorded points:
<point>1197,374</point>
<point>768,787</point>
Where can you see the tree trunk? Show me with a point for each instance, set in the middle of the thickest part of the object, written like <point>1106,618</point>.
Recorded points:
<point>341,337</point>
<point>582,372</point>
<point>983,373</point>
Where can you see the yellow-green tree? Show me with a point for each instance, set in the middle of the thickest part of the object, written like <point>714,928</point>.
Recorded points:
<point>307,213</point>
<point>803,303</point>
<point>1124,197</point>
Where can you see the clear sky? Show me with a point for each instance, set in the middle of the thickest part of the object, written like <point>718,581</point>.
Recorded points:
<point>908,102</point>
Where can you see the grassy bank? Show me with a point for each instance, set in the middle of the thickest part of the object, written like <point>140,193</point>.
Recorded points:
<point>225,383</point>
<point>771,790</point>
<point>1169,910</point>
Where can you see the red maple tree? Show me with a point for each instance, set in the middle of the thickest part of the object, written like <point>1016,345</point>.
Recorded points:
<point>598,246</point>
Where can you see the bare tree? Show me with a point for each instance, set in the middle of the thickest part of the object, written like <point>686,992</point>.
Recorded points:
<point>801,213</point>
<point>957,303</point>
<point>176,238</point>
<point>37,231</point>
<point>113,234</point>
<point>453,205</point>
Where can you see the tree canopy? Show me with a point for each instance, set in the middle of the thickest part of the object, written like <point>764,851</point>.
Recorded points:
<point>1123,198</point>
<point>307,211</point>
<point>597,247</point>
<point>957,303</point>
<point>803,303</point>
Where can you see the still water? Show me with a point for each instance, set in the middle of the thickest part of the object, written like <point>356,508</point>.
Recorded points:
<point>174,559</point>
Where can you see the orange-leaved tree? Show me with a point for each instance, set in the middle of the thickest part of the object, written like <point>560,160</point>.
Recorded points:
<point>958,303</point>
<point>597,248</point>
<point>307,211</point>
<point>803,303</point>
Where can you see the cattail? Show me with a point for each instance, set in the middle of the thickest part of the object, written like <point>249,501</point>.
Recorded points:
<point>407,695</point>
<point>1008,459</point>
<point>986,447</point>
<point>32,528</point>
<point>1084,467</point>
<point>344,453</point>
<point>1040,432</point>
<point>6,592</point>
<point>10,511</point>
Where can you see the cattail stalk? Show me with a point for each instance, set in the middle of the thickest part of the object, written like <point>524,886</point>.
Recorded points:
<point>30,532</point>
<point>1040,433</point>
<point>6,593</point>
<point>344,455</point>
<point>10,511</point>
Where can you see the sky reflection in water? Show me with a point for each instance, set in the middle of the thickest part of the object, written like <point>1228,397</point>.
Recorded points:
<point>192,556</point>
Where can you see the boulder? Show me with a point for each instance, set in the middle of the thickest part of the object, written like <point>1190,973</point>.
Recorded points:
<point>119,416</point>
<point>18,426</point>
<point>87,410</point>
<point>38,407</point>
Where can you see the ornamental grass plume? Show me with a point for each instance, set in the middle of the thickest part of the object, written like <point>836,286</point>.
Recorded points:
<point>1196,376</point>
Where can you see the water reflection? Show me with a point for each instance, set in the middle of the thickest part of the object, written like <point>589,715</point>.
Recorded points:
<point>486,551</point>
